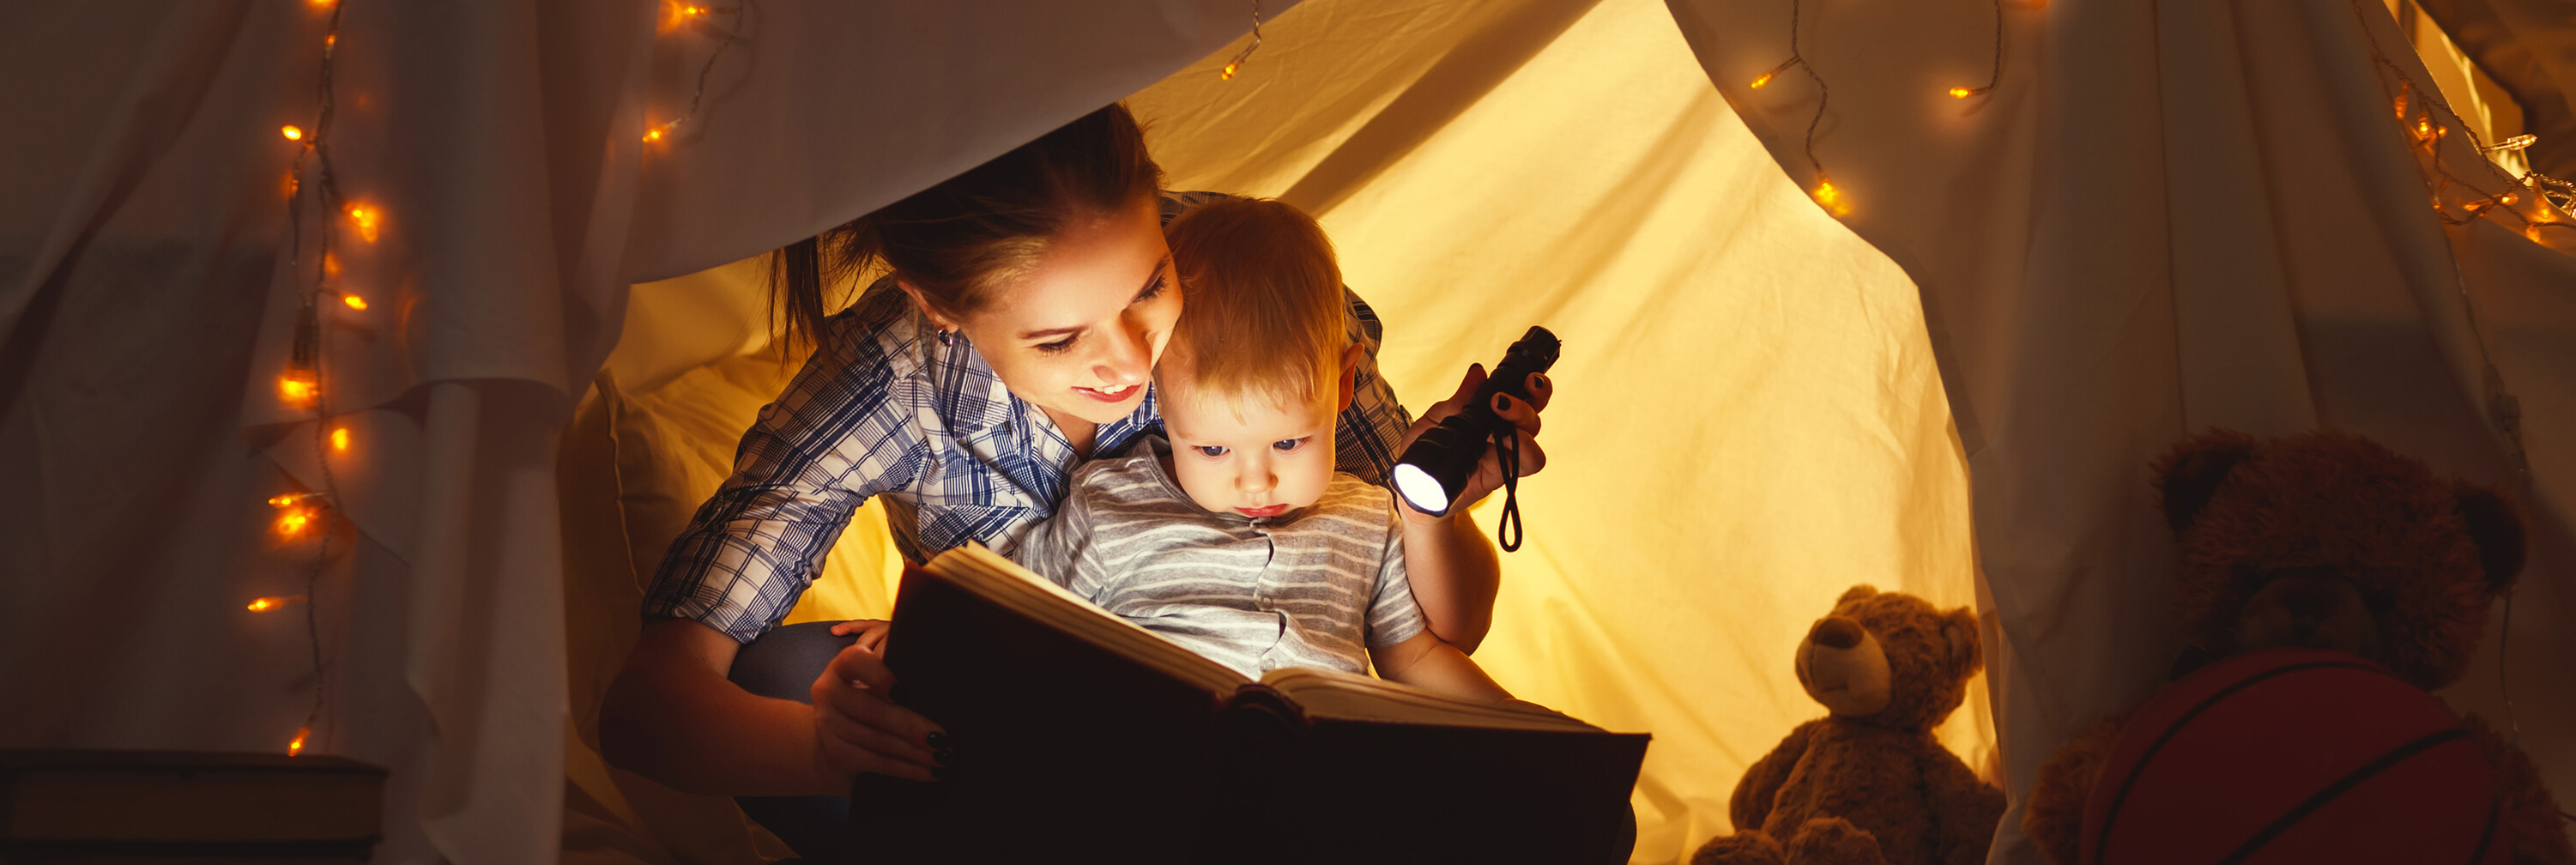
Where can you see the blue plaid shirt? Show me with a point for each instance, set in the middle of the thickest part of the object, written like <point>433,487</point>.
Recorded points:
<point>884,410</point>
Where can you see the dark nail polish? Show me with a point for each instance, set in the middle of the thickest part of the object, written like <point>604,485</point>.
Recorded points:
<point>1540,381</point>
<point>1502,402</point>
<point>936,739</point>
<point>941,756</point>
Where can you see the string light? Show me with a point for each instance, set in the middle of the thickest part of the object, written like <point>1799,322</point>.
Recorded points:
<point>1964,92</point>
<point>701,17</point>
<point>301,384</point>
<point>1995,74</point>
<point>1236,64</point>
<point>1830,196</point>
<point>2517,142</point>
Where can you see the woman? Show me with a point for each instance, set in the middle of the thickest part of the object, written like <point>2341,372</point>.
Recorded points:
<point>1027,302</point>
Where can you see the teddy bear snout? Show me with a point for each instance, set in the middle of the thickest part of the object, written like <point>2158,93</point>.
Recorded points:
<point>2312,608</point>
<point>1835,632</point>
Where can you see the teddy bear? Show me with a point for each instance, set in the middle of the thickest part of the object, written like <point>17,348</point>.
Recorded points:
<point>2325,541</point>
<point>1867,783</point>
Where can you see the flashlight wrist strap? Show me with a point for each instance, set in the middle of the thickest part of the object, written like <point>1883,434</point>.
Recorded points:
<point>1507,454</point>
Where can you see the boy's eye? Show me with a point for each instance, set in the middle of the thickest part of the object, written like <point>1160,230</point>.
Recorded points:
<point>1210,451</point>
<point>1056,347</point>
<point>1286,444</point>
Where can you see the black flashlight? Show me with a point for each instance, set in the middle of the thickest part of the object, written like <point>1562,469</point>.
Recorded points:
<point>1436,467</point>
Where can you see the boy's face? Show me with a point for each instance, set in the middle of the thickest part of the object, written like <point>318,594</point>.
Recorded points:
<point>1247,457</point>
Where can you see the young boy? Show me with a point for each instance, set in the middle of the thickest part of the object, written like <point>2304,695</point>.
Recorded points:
<point>1235,537</point>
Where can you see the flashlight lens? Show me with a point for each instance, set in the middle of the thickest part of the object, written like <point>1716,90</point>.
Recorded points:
<point>1421,489</point>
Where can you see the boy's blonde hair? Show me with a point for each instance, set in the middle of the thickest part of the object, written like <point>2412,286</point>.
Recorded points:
<point>1262,313</point>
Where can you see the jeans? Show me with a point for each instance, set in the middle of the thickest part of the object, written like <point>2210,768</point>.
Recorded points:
<point>783,664</point>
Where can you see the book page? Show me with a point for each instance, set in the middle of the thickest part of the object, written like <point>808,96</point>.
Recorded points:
<point>1004,582</point>
<point>1355,697</point>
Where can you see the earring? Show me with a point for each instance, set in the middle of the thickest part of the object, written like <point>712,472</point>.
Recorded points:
<point>945,338</point>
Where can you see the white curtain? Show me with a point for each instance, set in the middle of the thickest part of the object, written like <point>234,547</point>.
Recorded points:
<point>148,312</point>
<point>2170,216</point>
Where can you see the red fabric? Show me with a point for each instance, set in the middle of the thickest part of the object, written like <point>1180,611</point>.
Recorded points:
<point>2213,760</point>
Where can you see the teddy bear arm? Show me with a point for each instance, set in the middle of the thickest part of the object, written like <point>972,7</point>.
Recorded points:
<point>2055,818</point>
<point>1965,807</point>
<point>1754,796</point>
<point>2530,819</point>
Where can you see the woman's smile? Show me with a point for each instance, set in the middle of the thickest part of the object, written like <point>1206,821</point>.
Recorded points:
<point>1109,395</point>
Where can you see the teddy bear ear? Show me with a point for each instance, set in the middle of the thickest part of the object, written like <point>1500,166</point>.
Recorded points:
<point>2497,529</point>
<point>1959,631</point>
<point>2189,474</point>
<point>1855,593</point>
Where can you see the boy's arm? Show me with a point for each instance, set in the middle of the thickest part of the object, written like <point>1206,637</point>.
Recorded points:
<point>1455,570</point>
<point>1428,662</point>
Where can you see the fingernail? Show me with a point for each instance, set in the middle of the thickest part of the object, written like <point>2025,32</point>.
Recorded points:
<point>941,756</point>
<point>1540,379</point>
<point>1502,402</point>
<point>938,740</point>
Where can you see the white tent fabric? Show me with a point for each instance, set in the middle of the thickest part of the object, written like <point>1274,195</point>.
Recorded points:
<point>148,310</point>
<point>1749,421</point>
<point>2172,216</point>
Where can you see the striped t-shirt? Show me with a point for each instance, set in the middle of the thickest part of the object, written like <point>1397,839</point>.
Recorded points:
<point>1311,588</point>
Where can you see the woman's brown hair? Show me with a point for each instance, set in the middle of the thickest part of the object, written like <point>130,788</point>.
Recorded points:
<point>958,240</point>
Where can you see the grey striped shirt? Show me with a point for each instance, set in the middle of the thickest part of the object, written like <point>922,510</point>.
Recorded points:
<point>1309,588</point>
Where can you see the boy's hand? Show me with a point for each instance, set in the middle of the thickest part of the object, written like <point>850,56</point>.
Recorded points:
<point>872,633</point>
<point>1489,468</point>
<point>856,729</point>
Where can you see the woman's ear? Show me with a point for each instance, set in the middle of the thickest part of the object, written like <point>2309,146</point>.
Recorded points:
<point>928,310</point>
<point>1351,358</point>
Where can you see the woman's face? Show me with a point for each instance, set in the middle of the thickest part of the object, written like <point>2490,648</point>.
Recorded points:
<point>1080,333</point>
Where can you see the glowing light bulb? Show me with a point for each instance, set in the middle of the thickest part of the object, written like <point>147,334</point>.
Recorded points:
<point>1227,73</point>
<point>262,605</point>
<point>330,264</point>
<point>281,500</point>
<point>652,135</point>
<point>340,439</point>
<point>292,133</point>
<point>298,387</point>
<point>296,746</point>
<point>2508,198</point>
<point>2423,127</point>
<point>2401,105</point>
<point>353,301</point>
<point>294,521</point>
<point>1762,79</point>
<point>367,219</point>
<point>693,10</point>
<point>330,39</point>
<point>1830,196</point>
<point>1961,93</point>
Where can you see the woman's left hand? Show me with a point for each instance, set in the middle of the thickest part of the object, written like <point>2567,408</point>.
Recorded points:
<point>1523,414</point>
<point>872,632</point>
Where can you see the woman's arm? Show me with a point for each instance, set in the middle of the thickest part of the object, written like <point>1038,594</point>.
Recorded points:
<point>1425,661</point>
<point>1454,569</point>
<point>673,717</point>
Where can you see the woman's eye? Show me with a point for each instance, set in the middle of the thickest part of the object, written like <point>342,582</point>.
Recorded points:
<point>1286,444</point>
<point>1056,347</point>
<point>1151,291</point>
<point>1210,451</point>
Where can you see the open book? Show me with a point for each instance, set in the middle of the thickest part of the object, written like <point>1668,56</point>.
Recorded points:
<point>1076,733</point>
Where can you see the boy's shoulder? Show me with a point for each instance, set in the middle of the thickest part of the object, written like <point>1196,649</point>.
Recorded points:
<point>1132,475</point>
<point>1351,496</point>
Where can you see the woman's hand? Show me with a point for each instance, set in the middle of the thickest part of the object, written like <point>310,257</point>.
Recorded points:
<point>857,729</point>
<point>872,632</point>
<point>1489,468</point>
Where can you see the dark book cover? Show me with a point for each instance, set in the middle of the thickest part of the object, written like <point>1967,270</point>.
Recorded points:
<point>1062,747</point>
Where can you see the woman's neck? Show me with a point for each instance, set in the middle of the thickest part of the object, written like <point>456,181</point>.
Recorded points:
<point>1080,433</point>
